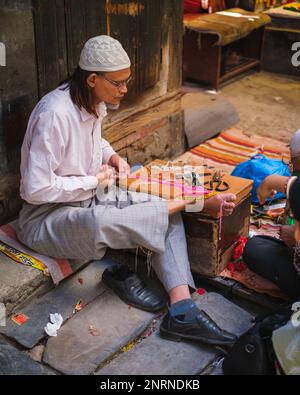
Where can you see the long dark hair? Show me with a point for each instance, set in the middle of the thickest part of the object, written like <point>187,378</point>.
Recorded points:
<point>80,92</point>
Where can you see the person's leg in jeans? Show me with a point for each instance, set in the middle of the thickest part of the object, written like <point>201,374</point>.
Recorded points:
<point>273,260</point>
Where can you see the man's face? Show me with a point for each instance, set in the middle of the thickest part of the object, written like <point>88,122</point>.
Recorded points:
<point>110,87</point>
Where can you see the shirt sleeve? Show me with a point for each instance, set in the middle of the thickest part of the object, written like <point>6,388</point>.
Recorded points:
<point>107,151</point>
<point>46,152</point>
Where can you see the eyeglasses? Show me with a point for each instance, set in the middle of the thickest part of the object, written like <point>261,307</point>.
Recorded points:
<point>118,84</point>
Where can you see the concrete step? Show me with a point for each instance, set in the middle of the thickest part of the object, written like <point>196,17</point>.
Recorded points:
<point>20,283</point>
<point>156,356</point>
<point>95,334</point>
<point>84,285</point>
<point>15,362</point>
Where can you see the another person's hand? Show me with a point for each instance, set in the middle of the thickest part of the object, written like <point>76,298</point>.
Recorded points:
<point>270,186</point>
<point>265,191</point>
<point>212,205</point>
<point>106,177</point>
<point>120,164</point>
<point>287,235</point>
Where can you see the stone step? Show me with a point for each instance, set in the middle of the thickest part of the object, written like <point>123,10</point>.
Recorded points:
<point>84,285</point>
<point>94,335</point>
<point>14,362</point>
<point>19,283</point>
<point>156,356</point>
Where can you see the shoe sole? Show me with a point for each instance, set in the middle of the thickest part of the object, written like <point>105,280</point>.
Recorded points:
<point>177,337</point>
<point>130,303</point>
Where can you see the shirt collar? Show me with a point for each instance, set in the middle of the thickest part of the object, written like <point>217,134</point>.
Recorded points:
<point>101,110</point>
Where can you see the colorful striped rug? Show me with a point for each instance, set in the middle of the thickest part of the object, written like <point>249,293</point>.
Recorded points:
<point>225,152</point>
<point>232,147</point>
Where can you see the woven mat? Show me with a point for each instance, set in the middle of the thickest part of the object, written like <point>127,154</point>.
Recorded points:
<point>225,152</point>
<point>232,147</point>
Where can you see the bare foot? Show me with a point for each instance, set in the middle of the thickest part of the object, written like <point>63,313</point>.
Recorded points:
<point>213,204</point>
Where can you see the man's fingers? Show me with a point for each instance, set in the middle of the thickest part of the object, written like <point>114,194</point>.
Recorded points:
<point>105,175</point>
<point>228,211</point>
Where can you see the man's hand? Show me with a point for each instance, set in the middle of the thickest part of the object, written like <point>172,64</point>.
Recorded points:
<point>106,177</point>
<point>121,166</point>
<point>212,205</point>
<point>287,235</point>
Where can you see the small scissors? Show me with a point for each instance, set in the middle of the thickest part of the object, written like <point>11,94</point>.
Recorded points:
<point>217,179</point>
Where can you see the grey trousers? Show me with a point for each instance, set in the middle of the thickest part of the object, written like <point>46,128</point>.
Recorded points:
<point>118,220</point>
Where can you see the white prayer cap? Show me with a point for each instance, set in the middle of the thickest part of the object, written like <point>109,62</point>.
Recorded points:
<point>103,53</point>
<point>295,145</point>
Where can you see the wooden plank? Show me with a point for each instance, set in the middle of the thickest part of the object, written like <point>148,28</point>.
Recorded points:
<point>285,23</point>
<point>137,25</point>
<point>239,70</point>
<point>207,254</point>
<point>50,38</point>
<point>148,112</point>
<point>201,59</point>
<point>175,32</point>
<point>84,19</point>
<point>18,94</point>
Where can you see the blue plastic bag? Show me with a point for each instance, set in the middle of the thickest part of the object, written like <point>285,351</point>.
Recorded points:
<point>257,169</point>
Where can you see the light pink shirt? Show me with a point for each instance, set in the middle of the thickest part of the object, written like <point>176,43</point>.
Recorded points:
<point>62,151</point>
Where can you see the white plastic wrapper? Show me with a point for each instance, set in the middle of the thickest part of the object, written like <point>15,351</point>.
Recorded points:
<point>53,326</point>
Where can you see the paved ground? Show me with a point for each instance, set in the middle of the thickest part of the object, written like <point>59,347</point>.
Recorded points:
<point>107,336</point>
<point>267,103</point>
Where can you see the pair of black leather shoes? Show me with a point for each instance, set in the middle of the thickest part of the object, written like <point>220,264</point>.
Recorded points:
<point>135,292</point>
<point>132,289</point>
<point>202,328</point>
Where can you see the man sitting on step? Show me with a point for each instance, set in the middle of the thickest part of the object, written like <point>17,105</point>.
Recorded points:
<point>65,161</point>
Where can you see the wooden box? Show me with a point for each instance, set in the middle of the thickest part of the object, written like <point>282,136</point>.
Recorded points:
<point>210,240</point>
<point>208,254</point>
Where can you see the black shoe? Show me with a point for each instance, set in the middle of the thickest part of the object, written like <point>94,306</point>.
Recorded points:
<point>132,289</point>
<point>202,328</point>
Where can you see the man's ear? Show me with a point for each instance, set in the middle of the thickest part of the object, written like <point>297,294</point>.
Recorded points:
<point>91,80</point>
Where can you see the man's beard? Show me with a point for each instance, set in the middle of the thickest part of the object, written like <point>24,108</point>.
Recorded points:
<point>111,106</point>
